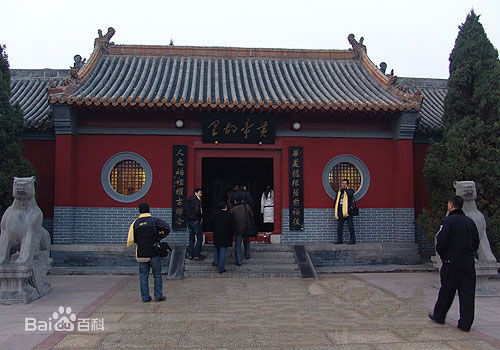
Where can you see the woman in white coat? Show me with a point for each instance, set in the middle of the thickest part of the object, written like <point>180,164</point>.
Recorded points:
<point>267,209</point>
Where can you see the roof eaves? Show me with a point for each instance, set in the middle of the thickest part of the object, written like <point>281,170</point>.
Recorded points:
<point>410,101</point>
<point>81,70</point>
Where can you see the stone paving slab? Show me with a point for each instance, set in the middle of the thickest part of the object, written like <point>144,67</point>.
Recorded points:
<point>78,292</point>
<point>346,311</point>
<point>336,311</point>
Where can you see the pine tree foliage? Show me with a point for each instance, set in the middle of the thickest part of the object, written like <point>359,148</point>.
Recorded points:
<point>470,145</point>
<point>12,163</point>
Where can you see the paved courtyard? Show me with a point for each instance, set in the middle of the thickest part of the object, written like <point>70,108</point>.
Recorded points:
<point>345,311</point>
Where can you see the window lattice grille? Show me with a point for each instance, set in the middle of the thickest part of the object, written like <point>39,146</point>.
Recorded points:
<point>127,177</point>
<point>345,171</point>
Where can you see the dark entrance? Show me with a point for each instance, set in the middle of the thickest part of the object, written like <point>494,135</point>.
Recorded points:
<point>220,174</point>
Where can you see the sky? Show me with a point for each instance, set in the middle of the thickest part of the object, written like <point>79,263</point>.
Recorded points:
<point>413,37</point>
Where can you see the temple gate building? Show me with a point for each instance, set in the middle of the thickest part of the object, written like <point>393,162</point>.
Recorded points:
<point>139,123</point>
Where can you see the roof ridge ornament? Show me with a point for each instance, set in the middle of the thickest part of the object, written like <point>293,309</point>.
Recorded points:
<point>356,46</point>
<point>103,40</point>
<point>79,63</point>
<point>389,81</point>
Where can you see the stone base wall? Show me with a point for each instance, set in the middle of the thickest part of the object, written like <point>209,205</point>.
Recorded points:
<point>103,225</point>
<point>380,253</point>
<point>372,225</point>
<point>110,225</point>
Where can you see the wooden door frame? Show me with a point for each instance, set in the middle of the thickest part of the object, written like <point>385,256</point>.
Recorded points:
<point>203,150</point>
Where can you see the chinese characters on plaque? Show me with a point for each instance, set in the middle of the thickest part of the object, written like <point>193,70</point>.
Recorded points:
<point>179,186</point>
<point>296,178</point>
<point>237,128</point>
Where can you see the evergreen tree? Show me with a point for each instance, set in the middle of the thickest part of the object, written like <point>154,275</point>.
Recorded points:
<point>12,163</point>
<point>470,145</point>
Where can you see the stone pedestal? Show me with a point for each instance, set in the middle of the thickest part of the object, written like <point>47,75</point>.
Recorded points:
<point>22,284</point>
<point>485,270</point>
<point>436,261</point>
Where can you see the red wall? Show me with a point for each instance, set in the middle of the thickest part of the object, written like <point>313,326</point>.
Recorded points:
<point>42,155</point>
<point>82,158</point>
<point>381,157</point>
<point>90,153</point>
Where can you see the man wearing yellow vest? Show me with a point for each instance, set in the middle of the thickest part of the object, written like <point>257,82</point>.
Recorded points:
<point>343,205</point>
<point>145,231</point>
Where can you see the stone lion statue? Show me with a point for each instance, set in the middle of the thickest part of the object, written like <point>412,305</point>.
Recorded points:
<point>22,234</point>
<point>467,190</point>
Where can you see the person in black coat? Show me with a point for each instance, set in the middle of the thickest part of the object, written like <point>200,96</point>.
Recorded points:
<point>194,217</point>
<point>145,231</point>
<point>242,193</point>
<point>456,243</point>
<point>223,228</point>
<point>344,203</point>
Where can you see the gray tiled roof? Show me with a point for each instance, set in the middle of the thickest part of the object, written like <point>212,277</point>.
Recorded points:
<point>228,79</point>
<point>206,78</point>
<point>235,83</point>
<point>29,91</point>
<point>434,92</point>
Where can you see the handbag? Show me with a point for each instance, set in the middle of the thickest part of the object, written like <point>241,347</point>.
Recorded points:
<point>250,224</point>
<point>354,209</point>
<point>161,248</point>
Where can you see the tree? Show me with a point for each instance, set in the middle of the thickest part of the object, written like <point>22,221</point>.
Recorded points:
<point>470,144</point>
<point>12,162</point>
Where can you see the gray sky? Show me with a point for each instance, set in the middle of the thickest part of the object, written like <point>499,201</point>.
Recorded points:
<point>414,37</point>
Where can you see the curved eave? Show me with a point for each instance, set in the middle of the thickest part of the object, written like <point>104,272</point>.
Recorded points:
<point>253,105</point>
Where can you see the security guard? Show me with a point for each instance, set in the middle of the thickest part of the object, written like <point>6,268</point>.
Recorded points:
<point>456,243</point>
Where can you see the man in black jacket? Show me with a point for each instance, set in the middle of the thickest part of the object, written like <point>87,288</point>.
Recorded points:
<point>343,205</point>
<point>456,243</point>
<point>194,217</point>
<point>145,231</point>
<point>242,193</point>
<point>223,228</point>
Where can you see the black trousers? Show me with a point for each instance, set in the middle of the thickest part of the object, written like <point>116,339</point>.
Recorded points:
<point>340,229</point>
<point>462,277</point>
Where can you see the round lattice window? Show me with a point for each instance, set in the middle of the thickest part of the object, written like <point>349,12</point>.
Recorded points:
<point>126,177</point>
<point>346,167</point>
<point>343,171</point>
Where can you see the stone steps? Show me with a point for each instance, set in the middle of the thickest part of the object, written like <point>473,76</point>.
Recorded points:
<point>265,261</point>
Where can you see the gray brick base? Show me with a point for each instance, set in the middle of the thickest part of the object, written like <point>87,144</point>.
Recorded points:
<point>425,248</point>
<point>110,225</point>
<point>372,225</point>
<point>103,225</point>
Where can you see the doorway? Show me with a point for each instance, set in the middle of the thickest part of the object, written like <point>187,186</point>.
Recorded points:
<point>220,174</point>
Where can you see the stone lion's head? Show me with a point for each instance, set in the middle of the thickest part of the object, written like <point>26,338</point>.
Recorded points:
<point>23,188</point>
<point>465,189</point>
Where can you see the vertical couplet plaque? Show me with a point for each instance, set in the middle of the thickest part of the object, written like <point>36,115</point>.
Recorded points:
<point>296,179</point>
<point>179,186</point>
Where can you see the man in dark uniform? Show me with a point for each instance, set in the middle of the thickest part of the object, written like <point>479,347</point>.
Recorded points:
<point>145,231</point>
<point>455,243</point>
<point>343,205</point>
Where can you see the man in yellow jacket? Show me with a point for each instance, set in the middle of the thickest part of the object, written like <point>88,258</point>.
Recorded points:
<point>145,231</point>
<point>343,205</point>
